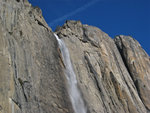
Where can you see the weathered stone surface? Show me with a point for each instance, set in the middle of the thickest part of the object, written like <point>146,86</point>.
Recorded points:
<point>138,64</point>
<point>32,79</point>
<point>31,74</point>
<point>102,76</point>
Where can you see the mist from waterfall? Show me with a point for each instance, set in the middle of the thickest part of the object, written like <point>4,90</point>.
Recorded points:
<point>74,92</point>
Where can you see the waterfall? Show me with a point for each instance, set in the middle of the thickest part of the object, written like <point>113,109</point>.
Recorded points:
<point>12,105</point>
<point>74,92</point>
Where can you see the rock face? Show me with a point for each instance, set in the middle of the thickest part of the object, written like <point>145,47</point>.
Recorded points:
<point>106,83</point>
<point>113,75</point>
<point>138,64</point>
<point>31,72</point>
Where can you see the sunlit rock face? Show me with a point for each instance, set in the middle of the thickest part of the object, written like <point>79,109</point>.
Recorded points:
<point>137,62</point>
<point>106,83</point>
<point>31,72</point>
<point>113,76</point>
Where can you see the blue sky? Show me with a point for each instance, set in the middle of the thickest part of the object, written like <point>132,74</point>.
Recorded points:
<point>115,17</point>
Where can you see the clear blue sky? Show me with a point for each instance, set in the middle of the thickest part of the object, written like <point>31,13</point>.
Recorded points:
<point>115,17</point>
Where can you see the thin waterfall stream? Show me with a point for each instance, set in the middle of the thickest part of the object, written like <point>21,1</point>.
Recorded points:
<point>74,92</point>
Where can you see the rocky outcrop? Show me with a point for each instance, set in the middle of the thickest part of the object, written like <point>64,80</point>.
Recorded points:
<point>113,75</point>
<point>104,80</point>
<point>138,64</point>
<point>31,73</point>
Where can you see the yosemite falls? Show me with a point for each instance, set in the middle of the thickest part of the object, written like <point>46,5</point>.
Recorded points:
<point>98,74</point>
<point>74,93</point>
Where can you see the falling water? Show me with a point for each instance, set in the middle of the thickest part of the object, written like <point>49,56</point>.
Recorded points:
<point>74,93</point>
<point>12,105</point>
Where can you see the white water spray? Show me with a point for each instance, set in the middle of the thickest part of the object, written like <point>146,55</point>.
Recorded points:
<point>74,93</point>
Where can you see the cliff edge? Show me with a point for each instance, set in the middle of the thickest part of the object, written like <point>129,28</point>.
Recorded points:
<point>113,75</point>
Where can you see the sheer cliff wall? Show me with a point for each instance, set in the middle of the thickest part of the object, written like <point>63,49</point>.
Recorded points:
<point>113,75</point>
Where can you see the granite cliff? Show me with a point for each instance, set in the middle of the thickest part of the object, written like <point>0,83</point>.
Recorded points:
<point>113,75</point>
